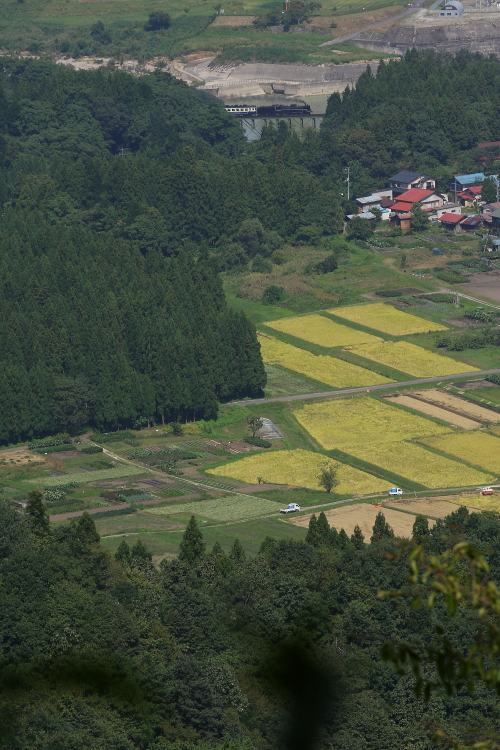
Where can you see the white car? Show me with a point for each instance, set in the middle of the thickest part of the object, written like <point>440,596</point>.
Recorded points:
<point>292,508</point>
<point>395,491</point>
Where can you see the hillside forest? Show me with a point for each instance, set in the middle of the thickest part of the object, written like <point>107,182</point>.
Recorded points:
<point>124,199</point>
<point>213,651</point>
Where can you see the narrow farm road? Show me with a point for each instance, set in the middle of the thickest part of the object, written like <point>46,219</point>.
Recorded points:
<point>367,388</point>
<point>414,7</point>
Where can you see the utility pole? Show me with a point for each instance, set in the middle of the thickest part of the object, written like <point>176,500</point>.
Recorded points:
<point>348,180</point>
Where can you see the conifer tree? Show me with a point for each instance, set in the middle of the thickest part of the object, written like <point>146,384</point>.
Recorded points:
<point>357,538</point>
<point>86,530</point>
<point>312,536</point>
<point>381,529</point>
<point>192,546</point>
<point>343,539</point>
<point>237,553</point>
<point>122,554</point>
<point>37,513</point>
<point>420,528</point>
<point>140,551</point>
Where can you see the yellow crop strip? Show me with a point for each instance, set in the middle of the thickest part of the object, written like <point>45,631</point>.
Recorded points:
<point>387,319</point>
<point>322,331</point>
<point>412,359</point>
<point>477,448</point>
<point>327,370</point>
<point>419,465</point>
<point>360,421</point>
<point>299,468</point>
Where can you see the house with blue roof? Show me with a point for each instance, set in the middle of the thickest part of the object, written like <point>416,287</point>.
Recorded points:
<point>460,182</point>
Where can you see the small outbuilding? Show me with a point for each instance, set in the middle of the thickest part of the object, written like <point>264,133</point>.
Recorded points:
<point>402,220</point>
<point>452,9</point>
<point>451,222</point>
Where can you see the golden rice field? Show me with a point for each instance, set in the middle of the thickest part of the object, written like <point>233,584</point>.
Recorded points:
<point>478,448</point>
<point>387,319</point>
<point>412,359</point>
<point>300,468</point>
<point>322,331</point>
<point>419,465</point>
<point>360,421</point>
<point>333,372</point>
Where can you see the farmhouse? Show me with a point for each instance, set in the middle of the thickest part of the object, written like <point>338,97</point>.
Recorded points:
<point>470,196</point>
<point>488,208</point>
<point>495,223</point>
<point>471,223</point>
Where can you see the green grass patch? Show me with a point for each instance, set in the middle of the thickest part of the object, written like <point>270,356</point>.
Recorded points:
<point>222,509</point>
<point>282,382</point>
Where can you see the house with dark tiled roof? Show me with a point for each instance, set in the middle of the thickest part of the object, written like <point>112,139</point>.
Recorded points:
<point>403,181</point>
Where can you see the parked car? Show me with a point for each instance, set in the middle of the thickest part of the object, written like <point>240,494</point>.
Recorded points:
<point>395,491</point>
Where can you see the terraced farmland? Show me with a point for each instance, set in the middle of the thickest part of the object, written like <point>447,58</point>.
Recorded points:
<point>362,420</point>
<point>387,319</point>
<point>299,468</point>
<point>410,358</point>
<point>322,331</point>
<point>333,372</point>
<point>419,465</point>
<point>478,448</point>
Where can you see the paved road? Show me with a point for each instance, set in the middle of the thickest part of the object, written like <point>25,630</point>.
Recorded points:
<point>417,5</point>
<point>368,388</point>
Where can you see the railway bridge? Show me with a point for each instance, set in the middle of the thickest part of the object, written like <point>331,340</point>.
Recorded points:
<point>253,126</point>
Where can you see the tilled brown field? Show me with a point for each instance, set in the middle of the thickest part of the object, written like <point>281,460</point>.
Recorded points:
<point>459,404</point>
<point>363,514</point>
<point>435,411</point>
<point>435,507</point>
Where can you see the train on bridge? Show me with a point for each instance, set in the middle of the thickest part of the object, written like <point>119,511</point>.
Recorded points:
<point>269,110</point>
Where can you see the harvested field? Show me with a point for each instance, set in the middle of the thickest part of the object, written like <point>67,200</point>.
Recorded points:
<point>364,514</point>
<point>21,457</point>
<point>435,411</point>
<point>333,372</point>
<point>299,468</point>
<point>419,465</point>
<point>459,404</point>
<point>386,318</point>
<point>322,331</point>
<point>411,359</point>
<point>435,507</point>
<point>478,448</point>
<point>362,421</point>
<point>90,476</point>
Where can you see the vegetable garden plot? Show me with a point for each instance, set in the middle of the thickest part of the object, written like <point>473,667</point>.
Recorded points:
<point>91,476</point>
<point>222,509</point>
<point>387,319</point>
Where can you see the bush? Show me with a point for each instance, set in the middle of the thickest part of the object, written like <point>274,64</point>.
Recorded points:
<point>389,293</point>
<point>259,442</point>
<point>156,21</point>
<point>261,265</point>
<point>278,257</point>
<point>273,294</point>
<point>359,229</point>
<point>92,449</point>
<point>56,449</point>
<point>494,379</point>
<point>479,315</point>
<point>440,297</point>
<point>327,265</point>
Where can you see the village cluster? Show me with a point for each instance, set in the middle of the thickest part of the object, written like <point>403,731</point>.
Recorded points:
<point>407,189</point>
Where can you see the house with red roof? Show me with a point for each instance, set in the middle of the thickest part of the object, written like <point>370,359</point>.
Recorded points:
<point>470,195</point>
<point>451,222</point>
<point>428,199</point>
